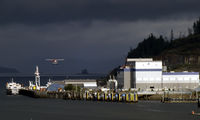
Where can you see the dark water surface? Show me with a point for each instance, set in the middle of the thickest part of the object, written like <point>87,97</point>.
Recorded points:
<point>25,108</point>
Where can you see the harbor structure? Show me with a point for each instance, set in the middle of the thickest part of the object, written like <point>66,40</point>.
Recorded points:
<point>112,83</point>
<point>179,80</point>
<point>83,83</point>
<point>108,96</point>
<point>59,85</point>
<point>145,73</point>
<point>37,85</point>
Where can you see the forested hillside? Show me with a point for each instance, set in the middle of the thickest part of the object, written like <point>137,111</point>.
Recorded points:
<point>178,54</point>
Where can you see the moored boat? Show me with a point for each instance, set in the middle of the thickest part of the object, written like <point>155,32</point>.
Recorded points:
<point>12,88</point>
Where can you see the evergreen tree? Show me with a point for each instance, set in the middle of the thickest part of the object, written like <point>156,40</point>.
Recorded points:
<point>172,35</point>
<point>189,31</point>
<point>196,27</point>
<point>150,47</point>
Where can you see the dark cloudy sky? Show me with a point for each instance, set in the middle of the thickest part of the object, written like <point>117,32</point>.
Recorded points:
<point>92,34</point>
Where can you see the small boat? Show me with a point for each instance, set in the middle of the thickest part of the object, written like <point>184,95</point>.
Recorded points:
<point>194,113</point>
<point>12,88</point>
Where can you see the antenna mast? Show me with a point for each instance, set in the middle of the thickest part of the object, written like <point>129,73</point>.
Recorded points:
<point>37,78</point>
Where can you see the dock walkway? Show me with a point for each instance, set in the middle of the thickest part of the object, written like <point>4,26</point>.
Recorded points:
<point>128,97</point>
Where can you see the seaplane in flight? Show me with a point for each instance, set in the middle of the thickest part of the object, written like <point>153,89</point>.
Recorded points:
<point>54,61</point>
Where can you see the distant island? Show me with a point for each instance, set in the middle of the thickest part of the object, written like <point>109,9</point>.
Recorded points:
<point>8,70</point>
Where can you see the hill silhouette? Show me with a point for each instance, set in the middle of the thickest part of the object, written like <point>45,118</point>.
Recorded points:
<point>181,54</point>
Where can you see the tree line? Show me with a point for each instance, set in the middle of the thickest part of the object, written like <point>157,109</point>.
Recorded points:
<point>153,46</point>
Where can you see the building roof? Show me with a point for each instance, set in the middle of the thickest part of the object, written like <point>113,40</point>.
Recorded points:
<point>180,73</point>
<point>139,59</point>
<point>55,86</point>
<point>80,80</point>
<point>75,81</point>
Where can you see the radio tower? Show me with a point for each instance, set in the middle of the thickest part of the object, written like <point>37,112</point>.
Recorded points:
<point>37,78</point>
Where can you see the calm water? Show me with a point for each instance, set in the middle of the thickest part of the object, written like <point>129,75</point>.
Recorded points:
<point>25,108</point>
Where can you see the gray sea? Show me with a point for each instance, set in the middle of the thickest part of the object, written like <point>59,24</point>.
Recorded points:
<point>25,108</point>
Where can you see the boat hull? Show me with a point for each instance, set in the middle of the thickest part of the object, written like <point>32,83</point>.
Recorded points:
<point>12,91</point>
<point>8,91</point>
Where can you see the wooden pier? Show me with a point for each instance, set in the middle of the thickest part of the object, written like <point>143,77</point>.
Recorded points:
<point>128,97</point>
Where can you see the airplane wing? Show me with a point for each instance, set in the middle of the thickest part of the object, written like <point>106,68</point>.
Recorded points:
<point>54,59</point>
<point>49,59</point>
<point>60,59</point>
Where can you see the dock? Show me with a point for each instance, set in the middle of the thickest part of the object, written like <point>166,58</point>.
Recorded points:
<point>127,97</point>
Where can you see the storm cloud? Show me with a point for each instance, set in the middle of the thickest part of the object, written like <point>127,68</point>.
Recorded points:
<point>51,11</point>
<point>88,34</point>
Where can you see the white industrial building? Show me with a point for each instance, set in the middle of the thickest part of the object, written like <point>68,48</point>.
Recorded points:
<point>86,83</point>
<point>147,74</point>
<point>178,80</point>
